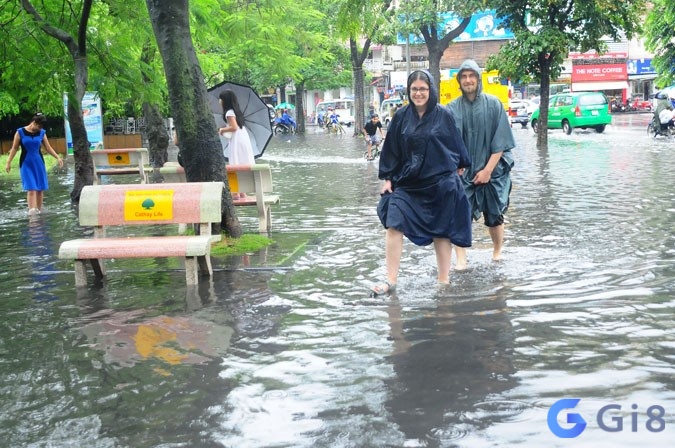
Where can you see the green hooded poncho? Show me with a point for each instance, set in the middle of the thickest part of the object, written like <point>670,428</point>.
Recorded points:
<point>486,130</point>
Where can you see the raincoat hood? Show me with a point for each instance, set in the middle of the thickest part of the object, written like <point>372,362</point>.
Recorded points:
<point>472,65</point>
<point>433,88</point>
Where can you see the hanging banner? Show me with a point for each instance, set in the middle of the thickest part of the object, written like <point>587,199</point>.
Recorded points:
<point>484,25</point>
<point>93,120</point>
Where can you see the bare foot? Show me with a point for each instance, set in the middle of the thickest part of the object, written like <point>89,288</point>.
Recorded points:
<point>497,256</point>
<point>460,266</point>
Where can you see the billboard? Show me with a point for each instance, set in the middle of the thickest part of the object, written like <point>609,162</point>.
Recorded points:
<point>484,25</point>
<point>93,120</point>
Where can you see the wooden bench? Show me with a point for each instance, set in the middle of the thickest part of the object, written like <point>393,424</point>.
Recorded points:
<point>102,206</point>
<point>110,162</point>
<point>254,180</point>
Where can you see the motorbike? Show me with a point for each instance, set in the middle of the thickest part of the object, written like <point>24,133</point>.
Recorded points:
<point>637,104</point>
<point>655,129</point>
<point>283,129</point>
<point>283,125</point>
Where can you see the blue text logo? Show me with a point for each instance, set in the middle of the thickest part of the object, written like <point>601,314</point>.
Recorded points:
<point>578,420</point>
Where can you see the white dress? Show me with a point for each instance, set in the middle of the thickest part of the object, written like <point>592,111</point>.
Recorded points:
<point>240,148</point>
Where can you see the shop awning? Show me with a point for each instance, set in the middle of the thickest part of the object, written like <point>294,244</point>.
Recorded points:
<point>604,85</point>
<point>643,76</point>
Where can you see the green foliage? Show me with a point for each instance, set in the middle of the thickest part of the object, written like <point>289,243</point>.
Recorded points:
<point>546,30</point>
<point>50,163</point>
<point>247,243</point>
<point>660,39</point>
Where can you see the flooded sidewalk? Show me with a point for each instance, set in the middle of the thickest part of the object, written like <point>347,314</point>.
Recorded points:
<point>284,348</point>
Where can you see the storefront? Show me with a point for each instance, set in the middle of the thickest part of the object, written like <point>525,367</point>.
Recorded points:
<point>641,77</point>
<point>607,73</point>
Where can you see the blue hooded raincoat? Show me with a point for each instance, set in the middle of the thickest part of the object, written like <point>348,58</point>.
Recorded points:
<point>421,157</point>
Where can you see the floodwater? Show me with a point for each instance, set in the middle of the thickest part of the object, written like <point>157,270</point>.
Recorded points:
<point>284,348</point>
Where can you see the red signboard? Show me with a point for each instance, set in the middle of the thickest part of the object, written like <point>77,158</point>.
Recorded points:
<point>599,72</point>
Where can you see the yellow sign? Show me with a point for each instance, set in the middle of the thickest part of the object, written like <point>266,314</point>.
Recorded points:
<point>148,205</point>
<point>120,158</point>
<point>233,181</point>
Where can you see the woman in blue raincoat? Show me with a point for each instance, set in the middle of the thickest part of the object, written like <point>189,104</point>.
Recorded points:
<point>422,195</point>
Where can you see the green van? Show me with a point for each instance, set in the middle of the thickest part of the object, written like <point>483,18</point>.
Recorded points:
<point>583,110</point>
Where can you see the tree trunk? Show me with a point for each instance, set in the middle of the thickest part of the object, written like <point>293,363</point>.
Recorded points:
<point>200,147</point>
<point>84,165</point>
<point>300,107</point>
<point>358,77</point>
<point>436,47</point>
<point>544,90</point>
<point>158,138</point>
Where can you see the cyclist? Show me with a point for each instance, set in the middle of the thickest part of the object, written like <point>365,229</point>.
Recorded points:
<point>370,130</point>
<point>333,119</point>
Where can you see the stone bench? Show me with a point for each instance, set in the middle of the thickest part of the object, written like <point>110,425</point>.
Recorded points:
<point>253,180</point>
<point>102,206</point>
<point>111,162</point>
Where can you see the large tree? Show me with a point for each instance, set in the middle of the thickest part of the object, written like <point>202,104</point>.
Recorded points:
<point>546,30</point>
<point>75,17</point>
<point>660,37</point>
<point>427,17</point>
<point>200,147</point>
<point>361,22</point>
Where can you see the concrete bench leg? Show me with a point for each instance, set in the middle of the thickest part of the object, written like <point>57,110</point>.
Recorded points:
<point>191,270</point>
<point>205,265</point>
<point>264,218</point>
<point>98,266</point>
<point>80,273</point>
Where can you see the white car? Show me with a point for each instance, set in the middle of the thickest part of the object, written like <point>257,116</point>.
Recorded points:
<point>518,112</point>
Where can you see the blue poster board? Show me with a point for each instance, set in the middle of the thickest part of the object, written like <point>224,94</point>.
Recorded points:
<point>93,120</point>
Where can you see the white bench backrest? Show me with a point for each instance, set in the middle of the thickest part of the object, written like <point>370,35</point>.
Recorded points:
<point>243,178</point>
<point>137,204</point>
<point>120,157</point>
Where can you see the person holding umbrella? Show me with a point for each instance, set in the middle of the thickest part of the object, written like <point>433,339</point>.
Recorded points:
<point>241,150</point>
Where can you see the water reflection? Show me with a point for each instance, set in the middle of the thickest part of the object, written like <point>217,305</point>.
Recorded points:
<point>283,347</point>
<point>450,361</point>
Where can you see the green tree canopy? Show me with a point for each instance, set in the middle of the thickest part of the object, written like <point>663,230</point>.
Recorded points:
<point>547,30</point>
<point>660,38</point>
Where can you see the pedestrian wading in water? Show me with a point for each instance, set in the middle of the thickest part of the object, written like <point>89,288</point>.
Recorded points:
<point>486,132</point>
<point>31,139</point>
<point>422,196</point>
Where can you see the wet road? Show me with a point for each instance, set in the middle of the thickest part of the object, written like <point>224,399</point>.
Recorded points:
<point>284,348</point>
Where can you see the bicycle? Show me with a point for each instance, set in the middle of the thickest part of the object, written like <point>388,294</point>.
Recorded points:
<point>335,128</point>
<point>374,150</point>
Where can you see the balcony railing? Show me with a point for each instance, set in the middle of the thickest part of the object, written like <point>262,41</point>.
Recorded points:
<point>414,65</point>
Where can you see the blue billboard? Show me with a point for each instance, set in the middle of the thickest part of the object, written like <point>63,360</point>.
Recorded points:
<point>484,25</point>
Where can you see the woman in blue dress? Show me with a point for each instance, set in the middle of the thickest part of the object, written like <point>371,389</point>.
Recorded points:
<point>422,196</point>
<point>31,162</point>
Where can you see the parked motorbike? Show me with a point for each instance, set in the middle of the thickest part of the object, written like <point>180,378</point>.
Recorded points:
<point>637,104</point>
<point>617,105</point>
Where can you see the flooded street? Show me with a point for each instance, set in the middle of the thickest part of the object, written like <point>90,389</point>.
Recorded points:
<point>284,348</point>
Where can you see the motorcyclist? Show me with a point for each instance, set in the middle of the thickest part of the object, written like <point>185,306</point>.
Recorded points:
<point>287,120</point>
<point>663,103</point>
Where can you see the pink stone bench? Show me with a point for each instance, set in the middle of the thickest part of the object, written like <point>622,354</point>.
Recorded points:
<point>102,206</point>
<point>254,180</point>
<point>111,162</point>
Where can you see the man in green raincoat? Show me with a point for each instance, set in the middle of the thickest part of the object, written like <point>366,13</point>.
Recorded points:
<point>486,131</point>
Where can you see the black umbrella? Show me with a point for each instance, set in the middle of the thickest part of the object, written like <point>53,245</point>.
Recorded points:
<point>256,115</point>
